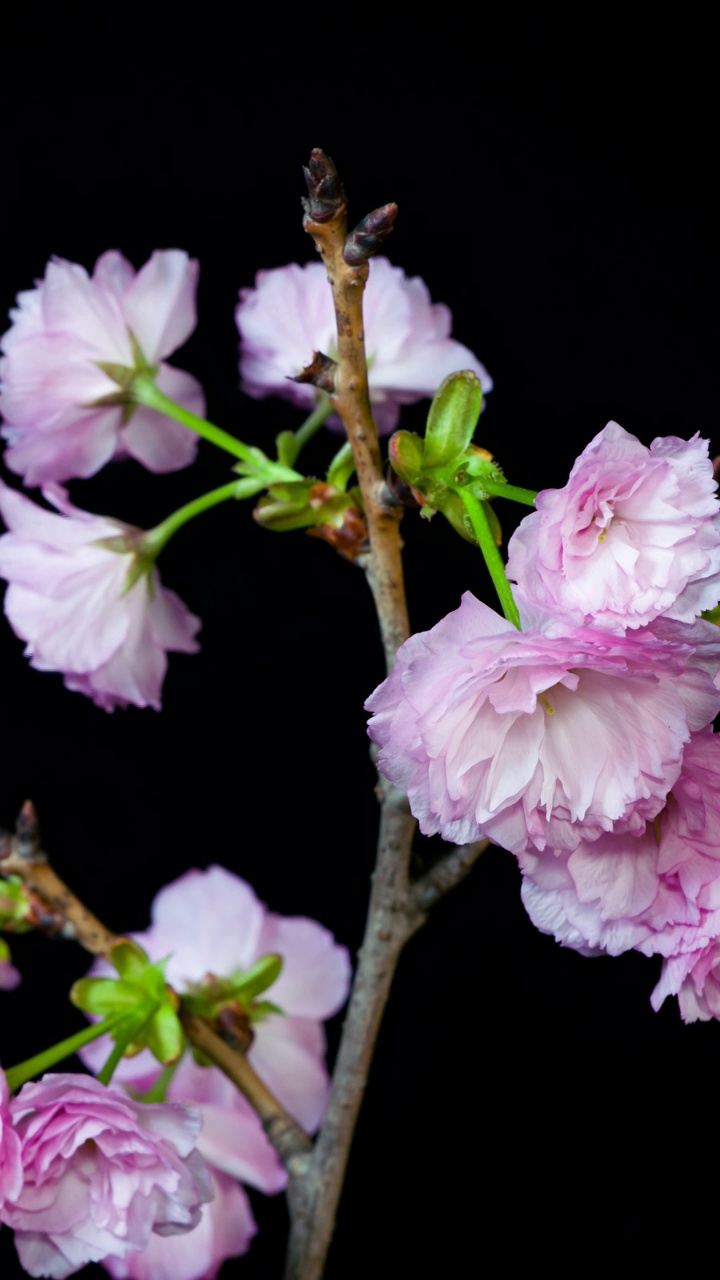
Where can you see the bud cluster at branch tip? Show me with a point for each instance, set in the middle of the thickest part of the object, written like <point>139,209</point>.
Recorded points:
<point>325,199</point>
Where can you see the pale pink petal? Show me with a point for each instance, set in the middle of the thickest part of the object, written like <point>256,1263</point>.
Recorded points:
<point>159,305</point>
<point>156,440</point>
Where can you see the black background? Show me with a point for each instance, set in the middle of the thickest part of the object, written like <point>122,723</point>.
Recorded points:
<point>556,190</point>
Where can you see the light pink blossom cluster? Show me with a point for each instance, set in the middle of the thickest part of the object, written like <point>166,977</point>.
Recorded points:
<point>583,742</point>
<point>88,1174</point>
<point>74,598</point>
<point>212,922</point>
<point>289,314</point>
<point>63,416</point>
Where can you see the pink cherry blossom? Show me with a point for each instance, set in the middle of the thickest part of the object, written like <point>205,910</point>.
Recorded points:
<point>10,977</point>
<point>53,389</point>
<point>101,1173</point>
<point>68,600</point>
<point>212,922</point>
<point>11,1172</point>
<point>547,736</point>
<point>656,892</point>
<point>289,315</point>
<point>634,533</point>
<point>225,1230</point>
<point>694,977</point>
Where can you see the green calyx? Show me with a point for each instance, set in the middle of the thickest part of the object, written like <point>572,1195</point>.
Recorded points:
<point>124,376</point>
<point>208,999</point>
<point>309,502</point>
<point>444,464</point>
<point>437,467</point>
<point>140,997</point>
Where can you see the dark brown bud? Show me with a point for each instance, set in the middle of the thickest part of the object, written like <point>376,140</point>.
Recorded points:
<point>320,372</point>
<point>369,235</point>
<point>325,199</point>
<point>350,538</point>
<point>27,834</point>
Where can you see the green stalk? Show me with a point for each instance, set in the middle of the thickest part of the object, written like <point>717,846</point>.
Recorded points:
<point>511,491</point>
<point>493,559</point>
<point>24,1071</point>
<point>157,538</point>
<point>144,391</point>
<point>313,423</point>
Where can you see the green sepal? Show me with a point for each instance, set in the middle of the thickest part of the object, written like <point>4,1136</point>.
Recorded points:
<point>164,1036</point>
<point>341,468</point>
<point>103,997</point>
<point>128,958</point>
<point>406,452</point>
<point>287,448</point>
<point>258,978</point>
<point>452,419</point>
<point>712,615</point>
<point>262,1009</point>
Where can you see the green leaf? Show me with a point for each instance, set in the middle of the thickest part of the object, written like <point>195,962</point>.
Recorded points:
<point>452,419</point>
<point>287,448</point>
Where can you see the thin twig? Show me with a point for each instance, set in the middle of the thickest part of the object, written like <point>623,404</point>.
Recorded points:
<point>286,1136</point>
<point>446,873</point>
<point>397,908</point>
<point>326,221</point>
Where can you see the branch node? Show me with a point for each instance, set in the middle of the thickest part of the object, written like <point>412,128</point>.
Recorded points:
<point>320,372</point>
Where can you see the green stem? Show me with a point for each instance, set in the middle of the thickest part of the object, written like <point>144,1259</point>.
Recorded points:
<point>511,491</point>
<point>313,423</point>
<point>145,392</point>
<point>134,1023</point>
<point>158,1091</point>
<point>493,559</point>
<point>24,1071</point>
<point>157,538</point>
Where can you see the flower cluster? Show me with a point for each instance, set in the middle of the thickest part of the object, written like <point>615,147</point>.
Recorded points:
<point>88,1174</point>
<point>583,742</point>
<point>211,923</point>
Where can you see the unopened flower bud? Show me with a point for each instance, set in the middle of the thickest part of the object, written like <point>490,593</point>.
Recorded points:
<point>325,199</point>
<point>370,235</point>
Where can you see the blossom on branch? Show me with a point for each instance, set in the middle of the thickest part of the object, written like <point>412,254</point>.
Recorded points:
<point>548,736</point>
<point>657,892</point>
<point>211,923</point>
<point>634,533</point>
<point>225,1230</point>
<point>289,315</point>
<point>69,598</point>
<point>101,1173</point>
<point>64,415</point>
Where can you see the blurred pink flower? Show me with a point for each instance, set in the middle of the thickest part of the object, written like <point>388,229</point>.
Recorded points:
<point>101,1173</point>
<point>634,533</point>
<point>658,892</point>
<point>289,315</point>
<point>51,383</point>
<point>11,1173</point>
<point>694,977</point>
<point>67,598</point>
<point>10,977</point>
<point>225,1230</point>
<point>547,736</point>
<point>211,922</point>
